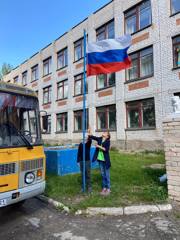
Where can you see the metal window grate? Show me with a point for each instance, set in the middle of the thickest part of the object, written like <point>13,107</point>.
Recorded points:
<point>31,164</point>
<point>7,169</point>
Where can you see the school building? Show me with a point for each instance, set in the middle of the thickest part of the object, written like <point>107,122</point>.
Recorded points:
<point>132,103</point>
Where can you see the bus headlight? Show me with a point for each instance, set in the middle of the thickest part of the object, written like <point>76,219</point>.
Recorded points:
<point>29,178</point>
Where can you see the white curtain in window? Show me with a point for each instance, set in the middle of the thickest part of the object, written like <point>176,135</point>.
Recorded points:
<point>146,65</point>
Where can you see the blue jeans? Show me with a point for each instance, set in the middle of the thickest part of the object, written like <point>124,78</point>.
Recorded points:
<point>105,173</point>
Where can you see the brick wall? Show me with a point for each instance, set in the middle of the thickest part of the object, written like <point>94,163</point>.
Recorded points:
<point>171,129</point>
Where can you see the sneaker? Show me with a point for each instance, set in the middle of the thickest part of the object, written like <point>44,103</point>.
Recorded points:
<point>103,191</point>
<point>108,191</point>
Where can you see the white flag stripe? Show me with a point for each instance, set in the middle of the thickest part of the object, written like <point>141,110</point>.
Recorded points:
<point>110,44</point>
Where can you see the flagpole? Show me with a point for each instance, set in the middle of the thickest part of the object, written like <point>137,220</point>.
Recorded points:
<point>84,116</point>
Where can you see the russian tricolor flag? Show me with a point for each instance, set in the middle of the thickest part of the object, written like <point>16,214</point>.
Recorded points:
<point>108,56</point>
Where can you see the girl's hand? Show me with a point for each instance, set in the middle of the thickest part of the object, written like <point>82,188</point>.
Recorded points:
<point>96,145</point>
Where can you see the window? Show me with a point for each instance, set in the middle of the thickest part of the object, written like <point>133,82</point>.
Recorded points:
<point>62,122</point>
<point>106,31</point>
<point>105,80</point>
<point>47,66</point>
<point>49,124</point>
<point>175,6</point>
<point>138,17</point>
<point>16,79</point>
<point>176,51</point>
<point>62,89</point>
<point>62,58</point>
<point>78,120</point>
<point>142,64</point>
<point>106,118</point>
<point>34,73</point>
<point>24,78</point>
<point>78,85</point>
<point>47,95</point>
<point>78,50</point>
<point>141,114</point>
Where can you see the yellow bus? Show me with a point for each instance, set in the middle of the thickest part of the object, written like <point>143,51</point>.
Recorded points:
<point>22,159</point>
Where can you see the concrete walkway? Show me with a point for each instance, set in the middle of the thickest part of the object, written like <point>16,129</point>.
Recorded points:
<point>38,221</point>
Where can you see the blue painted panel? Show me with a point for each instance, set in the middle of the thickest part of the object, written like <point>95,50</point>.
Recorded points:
<point>61,161</point>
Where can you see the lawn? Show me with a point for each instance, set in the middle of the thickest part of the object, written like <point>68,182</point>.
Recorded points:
<point>132,182</point>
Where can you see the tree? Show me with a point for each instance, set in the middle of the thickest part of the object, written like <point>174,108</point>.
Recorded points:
<point>5,69</point>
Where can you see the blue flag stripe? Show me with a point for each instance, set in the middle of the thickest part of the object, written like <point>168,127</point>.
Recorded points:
<point>118,55</point>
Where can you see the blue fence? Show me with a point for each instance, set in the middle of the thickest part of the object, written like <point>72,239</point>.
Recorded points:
<point>62,161</point>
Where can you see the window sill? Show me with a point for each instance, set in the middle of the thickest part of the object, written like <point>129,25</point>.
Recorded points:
<point>58,100</point>
<point>139,129</point>
<point>78,60</point>
<point>101,89</point>
<point>132,34</point>
<point>172,15</point>
<point>61,132</point>
<point>175,68</point>
<point>44,104</point>
<point>79,95</point>
<point>59,69</point>
<point>138,79</point>
<point>104,130</point>
<point>47,74</point>
<point>46,133</point>
<point>80,131</point>
<point>34,80</point>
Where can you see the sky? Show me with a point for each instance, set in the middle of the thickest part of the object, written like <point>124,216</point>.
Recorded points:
<point>26,26</point>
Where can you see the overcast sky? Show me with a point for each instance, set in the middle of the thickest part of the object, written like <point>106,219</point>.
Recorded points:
<point>27,26</point>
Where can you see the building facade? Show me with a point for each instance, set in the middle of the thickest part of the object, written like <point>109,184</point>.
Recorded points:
<point>132,103</point>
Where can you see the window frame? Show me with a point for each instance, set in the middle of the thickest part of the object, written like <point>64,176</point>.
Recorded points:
<point>25,73</point>
<point>16,79</point>
<point>136,9</point>
<point>139,107</point>
<point>35,69</point>
<point>49,62</point>
<point>105,26</point>
<point>48,116</point>
<point>64,117</point>
<point>106,108</point>
<point>80,113</point>
<point>139,65</point>
<point>106,82</point>
<point>81,40</point>
<point>173,14</point>
<point>49,91</point>
<point>62,53</point>
<point>63,85</point>
<point>173,45</point>
<point>82,84</point>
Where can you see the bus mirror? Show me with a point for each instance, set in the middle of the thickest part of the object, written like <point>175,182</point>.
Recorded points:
<point>45,123</point>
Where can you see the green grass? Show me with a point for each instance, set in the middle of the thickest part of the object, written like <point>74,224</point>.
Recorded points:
<point>131,183</point>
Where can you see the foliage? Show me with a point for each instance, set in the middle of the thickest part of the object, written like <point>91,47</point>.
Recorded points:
<point>5,69</point>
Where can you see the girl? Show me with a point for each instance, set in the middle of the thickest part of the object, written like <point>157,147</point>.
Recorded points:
<point>102,156</point>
